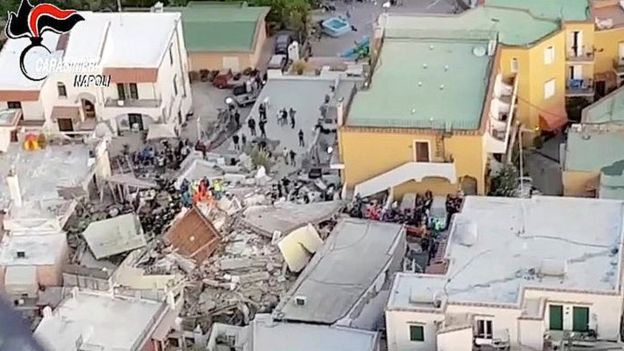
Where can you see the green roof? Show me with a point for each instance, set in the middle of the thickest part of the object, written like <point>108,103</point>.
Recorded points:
<point>568,10</point>
<point>448,92</point>
<point>514,27</point>
<point>592,150</point>
<point>219,26</point>
<point>608,109</point>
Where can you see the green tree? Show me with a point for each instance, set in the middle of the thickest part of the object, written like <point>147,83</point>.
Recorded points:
<point>505,182</point>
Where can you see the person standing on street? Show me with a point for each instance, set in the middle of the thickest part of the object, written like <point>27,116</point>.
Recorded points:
<point>262,129</point>
<point>301,141</point>
<point>293,155</point>
<point>237,119</point>
<point>292,112</point>
<point>243,140</point>
<point>252,126</point>
<point>285,153</point>
<point>235,139</point>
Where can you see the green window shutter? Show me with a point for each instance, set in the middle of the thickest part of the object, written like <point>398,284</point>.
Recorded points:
<point>417,333</point>
<point>556,317</point>
<point>580,319</point>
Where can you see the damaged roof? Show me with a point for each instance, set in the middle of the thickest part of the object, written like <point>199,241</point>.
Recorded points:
<point>194,235</point>
<point>286,217</point>
<point>355,254</point>
<point>114,235</point>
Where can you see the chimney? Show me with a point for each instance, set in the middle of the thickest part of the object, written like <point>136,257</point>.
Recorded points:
<point>14,188</point>
<point>158,7</point>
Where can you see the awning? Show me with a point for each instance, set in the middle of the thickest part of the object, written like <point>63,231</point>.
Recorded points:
<point>553,119</point>
<point>72,112</point>
<point>161,131</point>
<point>5,139</point>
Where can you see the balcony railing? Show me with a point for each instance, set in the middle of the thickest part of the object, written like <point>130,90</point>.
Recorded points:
<point>580,87</point>
<point>142,103</point>
<point>583,55</point>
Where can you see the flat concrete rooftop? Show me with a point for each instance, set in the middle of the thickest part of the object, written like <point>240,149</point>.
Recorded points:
<point>38,249</point>
<point>354,255</point>
<point>425,83</point>
<point>41,172</point>
<point>104,322</point>
<point>566,244</point>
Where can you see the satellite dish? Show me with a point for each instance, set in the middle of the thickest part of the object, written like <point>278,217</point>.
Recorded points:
<point>479,51</point>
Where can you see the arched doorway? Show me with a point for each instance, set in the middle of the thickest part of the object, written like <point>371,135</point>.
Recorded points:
<point>469,185</point>
<point>88,109</point>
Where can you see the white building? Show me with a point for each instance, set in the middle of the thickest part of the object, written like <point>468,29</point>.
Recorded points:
<point>91,320</point>
<point>143,54</point>
<point>519,271</point>
<point>265,334</point>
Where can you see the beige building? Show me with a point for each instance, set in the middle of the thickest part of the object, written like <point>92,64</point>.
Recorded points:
<point>219,35</point>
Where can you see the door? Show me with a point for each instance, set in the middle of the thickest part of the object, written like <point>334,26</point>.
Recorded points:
<point>577,72</point>
<point>421,151</point>
<point>577,45</point>
<point>65,125</point>
<point>556,317</point>
<point>580,319</point>
<point>135,119</point>
<point>601,88</point>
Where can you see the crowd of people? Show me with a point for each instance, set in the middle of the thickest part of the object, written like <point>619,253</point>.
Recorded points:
<point>161,156</point>
<point>416,215</point>
<point>202,190</point>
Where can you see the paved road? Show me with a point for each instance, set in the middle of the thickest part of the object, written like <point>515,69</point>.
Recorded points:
<point>363,16</point>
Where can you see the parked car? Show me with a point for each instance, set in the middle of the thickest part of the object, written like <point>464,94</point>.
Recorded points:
<point>224,79</point>
<point>282,41</point>
<point>244,97</point>
<point>278,62</point>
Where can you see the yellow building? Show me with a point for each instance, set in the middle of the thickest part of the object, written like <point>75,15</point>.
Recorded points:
<point>436,107</point>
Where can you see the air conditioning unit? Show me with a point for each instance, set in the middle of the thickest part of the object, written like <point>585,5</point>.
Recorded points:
<point>300,300</point>
<point>120,102</point>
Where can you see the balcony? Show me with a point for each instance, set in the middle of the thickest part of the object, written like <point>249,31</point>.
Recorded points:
<point>138,103</point>
<point>618,66</point>
<point>416,171</point>
<point>580,56</point>
<point>501,114</point>
<point>580,87</point>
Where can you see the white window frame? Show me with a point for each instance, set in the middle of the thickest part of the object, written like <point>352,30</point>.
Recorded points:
<point>485,336</point>
<point>514,65</point>
<point>549,88</point>
<point>415,149</point>
<point>549,55</point>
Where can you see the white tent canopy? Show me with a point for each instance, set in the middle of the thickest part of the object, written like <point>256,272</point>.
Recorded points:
<point>162,131</point>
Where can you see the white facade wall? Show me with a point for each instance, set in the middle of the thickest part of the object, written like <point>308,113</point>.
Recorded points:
<point>457,340</point>
<point>604,310</point>
<point>160,90</point>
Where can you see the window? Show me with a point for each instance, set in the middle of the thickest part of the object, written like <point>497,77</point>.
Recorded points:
<point>555,313</point>
<point>14,104</point>
<point>549,89</point>
<point>62,91</point>
<point>127,91</point>
<point>134,91</point>
<point>171,54</point>
<point>484,329</point>
<point>514,65</point>
<point>21,254</point>
<point>580,319</point>
<point>549,55</point>
<point>421,151</point>
<point>417,333</point>
<point>175,86</point>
